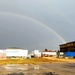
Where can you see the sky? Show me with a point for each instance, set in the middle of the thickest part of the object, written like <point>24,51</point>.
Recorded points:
<point>36,24</point>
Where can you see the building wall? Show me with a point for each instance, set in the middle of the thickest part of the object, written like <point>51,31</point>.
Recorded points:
<point>63,48</point>
<point>70,54</point>
<point>2,54</point>
<point>37,53</point>
<point>49,54</point>
<point>14,52</point>
<point>68,47</point>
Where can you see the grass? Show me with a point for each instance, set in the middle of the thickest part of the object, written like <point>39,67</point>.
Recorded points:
<point>24,61</point>
<point>34,60</point>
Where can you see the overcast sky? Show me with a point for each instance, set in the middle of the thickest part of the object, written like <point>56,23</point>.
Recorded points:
<point>36,24</point>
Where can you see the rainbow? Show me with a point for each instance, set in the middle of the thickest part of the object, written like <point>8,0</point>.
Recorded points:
<point>36,21</point>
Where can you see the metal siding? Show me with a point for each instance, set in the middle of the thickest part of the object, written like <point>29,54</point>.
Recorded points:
<point>72,54</point>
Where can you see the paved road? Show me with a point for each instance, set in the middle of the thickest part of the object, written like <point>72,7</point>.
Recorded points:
<point>42,69</point>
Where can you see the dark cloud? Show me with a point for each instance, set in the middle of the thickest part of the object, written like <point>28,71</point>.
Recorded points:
<point>20,32</point>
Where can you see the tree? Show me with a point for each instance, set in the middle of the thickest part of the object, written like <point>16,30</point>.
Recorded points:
<point>58,53</point>
<point>46,50</point>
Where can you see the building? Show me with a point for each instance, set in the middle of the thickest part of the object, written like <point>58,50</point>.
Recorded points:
<point>47,53</point>
<point>2,54</point>
<point>68,47</point>
<point>37,53</point>
<point>14,52</point>
<point>63,48</point>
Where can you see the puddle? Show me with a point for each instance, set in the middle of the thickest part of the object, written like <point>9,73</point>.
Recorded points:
<point>16,67</point>
<point>21,67</point>
<point>36,67</point>
<point>27,69</point>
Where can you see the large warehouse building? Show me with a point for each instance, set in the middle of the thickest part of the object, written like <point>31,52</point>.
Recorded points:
<point>13,52</point>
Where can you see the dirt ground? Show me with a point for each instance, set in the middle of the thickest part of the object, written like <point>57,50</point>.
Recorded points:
<point>60,59</point>
<point>57,66</point>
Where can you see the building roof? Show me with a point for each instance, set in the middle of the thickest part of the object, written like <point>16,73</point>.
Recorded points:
<point>50,51</point>
<point>14,48</point>
<point>70,42</point>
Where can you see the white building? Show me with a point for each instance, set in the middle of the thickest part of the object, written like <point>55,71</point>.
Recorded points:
<point>2,54</point>
<point>14,52</point>
<point>49,54</point>
<point>37,53</point>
